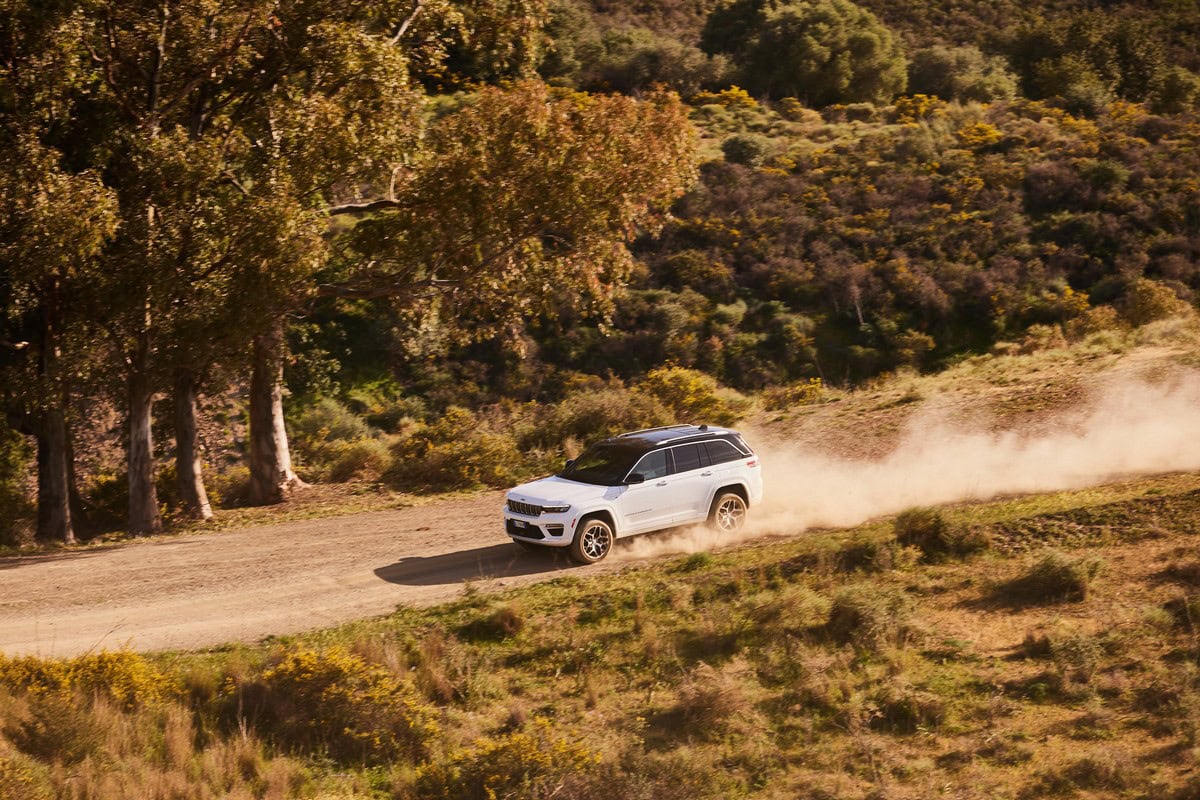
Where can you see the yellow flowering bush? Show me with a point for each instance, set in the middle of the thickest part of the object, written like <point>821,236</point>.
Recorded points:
<point>334,700</point>
<point>528,763</point>
<point>124,676</point>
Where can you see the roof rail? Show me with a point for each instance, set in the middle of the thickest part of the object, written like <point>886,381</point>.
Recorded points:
<point>649,430</point>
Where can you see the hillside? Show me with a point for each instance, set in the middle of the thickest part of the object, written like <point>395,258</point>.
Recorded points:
<point>1019,647</point>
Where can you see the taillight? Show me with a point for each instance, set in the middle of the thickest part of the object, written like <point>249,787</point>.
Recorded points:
<point>752,462</point>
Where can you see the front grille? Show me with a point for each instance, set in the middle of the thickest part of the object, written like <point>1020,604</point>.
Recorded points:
<point>528,509</point>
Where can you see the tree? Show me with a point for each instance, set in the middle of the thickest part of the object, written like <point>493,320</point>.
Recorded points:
<point>960,73</point>
<point>55,222</point>
<point>543,187</point>
<point>821,51</point>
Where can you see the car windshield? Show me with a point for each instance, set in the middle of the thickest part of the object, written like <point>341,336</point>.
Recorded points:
<point>605,464</point>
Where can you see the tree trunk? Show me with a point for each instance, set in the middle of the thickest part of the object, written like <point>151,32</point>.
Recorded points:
<point>187,451</point>
<point>143,496</point>
<point>271,475</point>
<point>54,484</point>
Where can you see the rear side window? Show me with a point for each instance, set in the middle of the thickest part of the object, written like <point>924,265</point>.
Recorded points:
<point>741,445</point>
<point>689,457</point>
<point>721,451</point>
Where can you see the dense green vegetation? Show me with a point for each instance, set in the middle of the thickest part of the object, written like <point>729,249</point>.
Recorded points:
<point>476,222</point>
<point>1054,657</point>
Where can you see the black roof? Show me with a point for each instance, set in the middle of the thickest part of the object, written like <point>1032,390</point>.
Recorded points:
<point>671,434</point>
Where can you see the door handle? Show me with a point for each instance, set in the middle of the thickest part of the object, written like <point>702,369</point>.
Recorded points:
<point>661,483</point>
<point>706,473</point>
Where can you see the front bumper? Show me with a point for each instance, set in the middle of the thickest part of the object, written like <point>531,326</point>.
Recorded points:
<point>552,530</point>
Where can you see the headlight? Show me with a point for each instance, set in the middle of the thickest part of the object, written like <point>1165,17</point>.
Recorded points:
<point>561,509</point>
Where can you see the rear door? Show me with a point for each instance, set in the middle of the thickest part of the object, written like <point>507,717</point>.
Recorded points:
<point>693,482</point>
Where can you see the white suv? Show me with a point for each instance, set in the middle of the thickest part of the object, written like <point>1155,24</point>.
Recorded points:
<point>636,483</point>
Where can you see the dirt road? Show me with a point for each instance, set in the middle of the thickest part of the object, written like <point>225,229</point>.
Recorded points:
<point>205,589</point>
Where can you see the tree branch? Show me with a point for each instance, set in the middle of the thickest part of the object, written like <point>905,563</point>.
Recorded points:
<point>346,291</point>
<point>358,209</point>
<point>407,23</point>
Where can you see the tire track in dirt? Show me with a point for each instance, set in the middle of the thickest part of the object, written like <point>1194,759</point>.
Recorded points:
<point>207,589</point>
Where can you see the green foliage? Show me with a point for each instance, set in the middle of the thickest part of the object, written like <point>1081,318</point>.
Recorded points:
<point>744,149</point>
<point>960,73</point>
<point>692,396</point>
<point>335,444</point>
<point>16,509</point>
<point>594,413</point>
<point>334,701</point>
<point>1085,57</point>
<point>455,452</point>
<point>635,59</point>
<point>823,52</point>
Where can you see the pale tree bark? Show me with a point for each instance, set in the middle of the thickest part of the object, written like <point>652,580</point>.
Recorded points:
<point>188,467</point>
<point>271,476</point>
<point>143,495</point>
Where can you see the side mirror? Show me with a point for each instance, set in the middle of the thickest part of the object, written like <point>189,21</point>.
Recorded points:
<point>570,461</point>
<point>635,477</point>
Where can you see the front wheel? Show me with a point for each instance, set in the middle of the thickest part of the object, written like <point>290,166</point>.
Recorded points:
<point>728,512</point>
<point>592,542</point>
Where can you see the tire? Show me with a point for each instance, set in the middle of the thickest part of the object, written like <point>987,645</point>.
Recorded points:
<point>593,540</point>
<point>728,512</point>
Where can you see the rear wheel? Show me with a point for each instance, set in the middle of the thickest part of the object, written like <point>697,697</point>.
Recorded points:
<point>592,542</point>
<point>728,512</point>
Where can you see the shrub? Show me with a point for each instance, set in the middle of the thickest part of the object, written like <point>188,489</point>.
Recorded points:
<point>592,414</point>
<point>1146,301</point>
<point>1094,320</point>
<point>903,709</point>
<point>369,457</point>
<point>928,531</point>
<point>229,488</point>
<point>692,395</point>
<point>334,700</point>
<point>960,73</point>
<point>456,452</point>
<point>495,625</point>
<point>801,393</point>
<point>19,781</point>
<point>122,676</point>
<point>525,763</point>
<point>1054,577</point>
<point>745,149</point>
<point>58,728</point>
<point>869,616</point>
<point>711,700</point>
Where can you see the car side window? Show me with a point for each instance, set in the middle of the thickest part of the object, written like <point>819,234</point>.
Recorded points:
<point>688,457</point>
<point>720,451</point>
<point>653,465</point>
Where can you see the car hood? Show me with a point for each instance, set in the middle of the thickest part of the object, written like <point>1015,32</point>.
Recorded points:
<point>552,490</point>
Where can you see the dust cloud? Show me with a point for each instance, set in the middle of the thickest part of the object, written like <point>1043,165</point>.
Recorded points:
<point>1127,428</point>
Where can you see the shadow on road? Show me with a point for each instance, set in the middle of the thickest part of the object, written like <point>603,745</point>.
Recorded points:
<point>496,561</point>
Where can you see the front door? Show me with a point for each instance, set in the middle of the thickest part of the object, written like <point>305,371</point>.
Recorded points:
<point>646,506</point>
